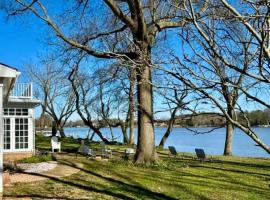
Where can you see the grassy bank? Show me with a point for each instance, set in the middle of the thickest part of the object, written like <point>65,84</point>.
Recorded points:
<point>181,177</point>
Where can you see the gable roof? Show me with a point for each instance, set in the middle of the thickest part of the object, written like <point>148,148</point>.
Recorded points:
<point>8,71</point>
<point>8,66</point>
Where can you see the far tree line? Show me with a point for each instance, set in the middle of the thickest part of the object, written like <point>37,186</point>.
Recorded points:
<point>256,118</point>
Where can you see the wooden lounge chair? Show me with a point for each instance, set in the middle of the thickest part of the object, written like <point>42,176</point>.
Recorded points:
<point>172,150</point>
<point>200,154</point>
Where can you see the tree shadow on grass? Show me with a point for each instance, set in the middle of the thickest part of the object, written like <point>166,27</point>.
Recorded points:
<point>231,170</point>
<point>208,164</point>
<point>43,197</point>
<point>135,189</point>
<point>128,188</point>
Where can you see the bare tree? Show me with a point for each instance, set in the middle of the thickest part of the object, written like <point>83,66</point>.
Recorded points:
<point>175,104</point>
<point>55,92</point>
<point>135,24</point>
<point>230,51</point>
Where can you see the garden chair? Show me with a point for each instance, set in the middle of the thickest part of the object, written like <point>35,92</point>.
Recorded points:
<point>200,154</point>
<point>172,150</point>
<point>86,151</point>
<point>55,143</point>
<point>128,153</point>
<point>105,153</point>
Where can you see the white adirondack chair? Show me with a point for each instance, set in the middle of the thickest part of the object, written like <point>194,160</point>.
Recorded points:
<point>55,144</point>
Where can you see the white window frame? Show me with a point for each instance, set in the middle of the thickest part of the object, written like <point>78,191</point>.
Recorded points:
<point>12,131</point>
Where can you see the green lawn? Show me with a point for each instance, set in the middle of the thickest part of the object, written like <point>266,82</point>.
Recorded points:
<point>182,177</point>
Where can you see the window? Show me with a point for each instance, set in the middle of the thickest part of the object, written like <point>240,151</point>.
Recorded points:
<point>16,111</point>
<point>21,133</point>
<point>6,133</point>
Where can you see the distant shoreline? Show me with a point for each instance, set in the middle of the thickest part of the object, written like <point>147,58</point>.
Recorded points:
<point>260,126</point>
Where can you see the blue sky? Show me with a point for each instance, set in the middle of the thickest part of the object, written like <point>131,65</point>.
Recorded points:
<point>20,41</point>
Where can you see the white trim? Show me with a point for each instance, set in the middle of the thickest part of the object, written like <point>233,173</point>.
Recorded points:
<point>8,72</point>
<point>13,136</point>
<point>1,138</point>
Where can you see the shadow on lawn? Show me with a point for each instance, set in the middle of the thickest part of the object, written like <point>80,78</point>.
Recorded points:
<point>133,189</point>
<point>232,164</point>
<point>43,197</point>
<point>231,170</point>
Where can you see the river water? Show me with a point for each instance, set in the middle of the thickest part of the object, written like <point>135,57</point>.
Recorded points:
<point>186,141</point>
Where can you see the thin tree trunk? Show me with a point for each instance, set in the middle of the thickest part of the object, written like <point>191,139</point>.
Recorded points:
<point>229,139</point>
<point>124,131</point>
<point>169,129</point>
<point>62,132</point>
<point>60,128</point>
<point>131,106</point>
<point>92,136</point>
<point>97,131</point>
<point>111,131</point>
<point>229,133</point>
<point>146,152</point>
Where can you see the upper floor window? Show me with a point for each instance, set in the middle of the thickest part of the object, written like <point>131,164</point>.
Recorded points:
<point>16,111</point>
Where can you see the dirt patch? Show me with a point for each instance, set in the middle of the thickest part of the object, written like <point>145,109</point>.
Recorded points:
<point>57,172</point>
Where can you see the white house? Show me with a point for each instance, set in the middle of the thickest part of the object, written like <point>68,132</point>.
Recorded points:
<point>17,119</point>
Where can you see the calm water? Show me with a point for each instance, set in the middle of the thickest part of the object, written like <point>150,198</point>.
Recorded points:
<point>185,140</point>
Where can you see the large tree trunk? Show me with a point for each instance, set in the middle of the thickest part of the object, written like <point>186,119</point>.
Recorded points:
<point>229,139</point>
<point>146,152</point>
<point>169,129</point>
<point>131,105</point>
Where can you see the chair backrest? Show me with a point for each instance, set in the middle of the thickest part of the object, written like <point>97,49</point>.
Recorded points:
<point>130,151</point>
<point>200,153</point>
<point>172,150</point>
<point>54,139</point>
<point>55,143</point>
<point>102,145</point>
<point>82,142</point>
<point>85,150</point>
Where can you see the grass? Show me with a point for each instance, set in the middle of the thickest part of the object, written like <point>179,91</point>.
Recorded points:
<point>37,159</point>
<point>181,177</point>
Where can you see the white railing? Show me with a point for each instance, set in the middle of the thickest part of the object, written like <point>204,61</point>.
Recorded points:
<point>22,90</point>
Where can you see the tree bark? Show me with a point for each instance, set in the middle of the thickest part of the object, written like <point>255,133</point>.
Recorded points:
<point>229,139</point>
<point>229,130</point>
<point>124,131</point>
<point>60,128</point>
<point>62,132</point>
<point>131,106</point>
<point>169,129</point>
<point>98,132</point>
<point>146,152</point>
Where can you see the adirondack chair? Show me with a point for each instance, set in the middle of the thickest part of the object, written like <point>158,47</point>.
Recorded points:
<point>200,154</point>
<point>55,144</point>
<point>86,151</point>
<point>172,150</point>
<point>128,153</point>
<point>105,153</point>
